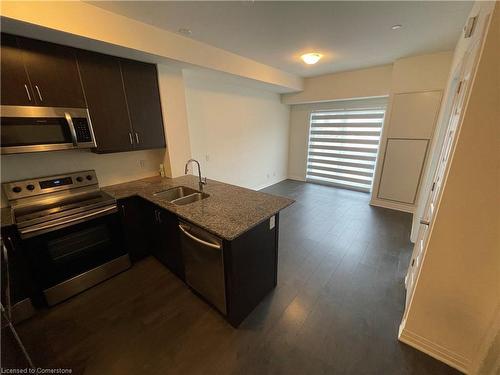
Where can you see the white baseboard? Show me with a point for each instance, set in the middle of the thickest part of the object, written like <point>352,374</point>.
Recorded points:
<point>297,178</point>
<point>269,183</point>
<point>439,352</point>
<point>392,205</point>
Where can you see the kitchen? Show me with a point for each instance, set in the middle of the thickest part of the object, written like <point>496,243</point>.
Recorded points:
<point>152,212</point>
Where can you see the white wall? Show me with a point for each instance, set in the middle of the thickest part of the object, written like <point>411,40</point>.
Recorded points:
<point>427,72</point>
<point>455,304</point>
<point>299,130</point>
<point>239,134</point>
<point>110,168</point>
<point>360,83</point>
<point>173,99</point>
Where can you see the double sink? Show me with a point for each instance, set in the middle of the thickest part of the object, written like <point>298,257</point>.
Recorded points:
<point>181,195</point>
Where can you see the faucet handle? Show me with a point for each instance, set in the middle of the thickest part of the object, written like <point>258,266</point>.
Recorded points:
<point>204,180</point>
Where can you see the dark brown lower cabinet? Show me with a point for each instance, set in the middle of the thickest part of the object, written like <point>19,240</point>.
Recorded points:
<point>250,261</point>
<point>16,276</point>
<point>138,226</point>
<point>251,267</point>
<point>166,247</point>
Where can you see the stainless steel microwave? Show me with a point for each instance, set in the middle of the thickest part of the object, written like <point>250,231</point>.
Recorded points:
<point>35,129</point>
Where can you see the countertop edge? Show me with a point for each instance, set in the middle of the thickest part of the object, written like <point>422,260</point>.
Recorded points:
<point>134,191</point>
<point>144,188</point>
<point>227,238</point>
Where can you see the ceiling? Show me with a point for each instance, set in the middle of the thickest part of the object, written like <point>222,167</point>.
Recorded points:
<point>350,35</point>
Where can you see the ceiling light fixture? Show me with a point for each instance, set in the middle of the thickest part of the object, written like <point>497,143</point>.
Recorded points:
<point>395,27</point>
<point>185,31</point>
<point>311,58</point>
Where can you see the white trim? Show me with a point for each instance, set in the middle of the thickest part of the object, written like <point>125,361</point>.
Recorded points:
<point>436,351</point>
<point>392,205</point>
<point>269,183</point>
<point>297,178</point>
<point>338,186</point>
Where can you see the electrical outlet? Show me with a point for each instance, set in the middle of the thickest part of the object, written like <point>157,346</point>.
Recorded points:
<point>207,157</point>
<point>142,163</point>
<point>267,175</point>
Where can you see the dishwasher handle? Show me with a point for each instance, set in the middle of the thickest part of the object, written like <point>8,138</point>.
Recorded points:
<point>199,240</point>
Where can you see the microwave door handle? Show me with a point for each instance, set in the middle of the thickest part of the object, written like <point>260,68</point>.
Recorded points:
<point>71,128</point>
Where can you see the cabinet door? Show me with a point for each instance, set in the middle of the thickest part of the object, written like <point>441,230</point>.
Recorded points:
<point>103,86</point>
<point>166,246</point>
<point>414,115</point>
<point>402,168</point>
<point>136,215</point>
<point>16,88</point>
<point>21,285</point>
<point>143,98</point>
<point>53,73</point>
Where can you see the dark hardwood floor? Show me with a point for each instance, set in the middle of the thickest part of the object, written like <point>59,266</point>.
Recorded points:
<point>336,308</point>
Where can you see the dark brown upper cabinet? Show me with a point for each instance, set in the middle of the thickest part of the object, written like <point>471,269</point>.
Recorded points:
<point>16,87</point>
<point>124,102</point>
<point>122,95</point>
<point>53,72</point>
<point>103,86</point>
<point>143,97</point>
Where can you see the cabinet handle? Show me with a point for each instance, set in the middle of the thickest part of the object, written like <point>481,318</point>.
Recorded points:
<point>27,92</point>
<point>130,138</point>
<point>39,94</point>
<point>137,138</point>
<point>159,216</point>
<point>123,210</point>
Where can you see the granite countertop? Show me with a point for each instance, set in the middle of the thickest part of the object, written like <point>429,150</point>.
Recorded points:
<point>228,212</point>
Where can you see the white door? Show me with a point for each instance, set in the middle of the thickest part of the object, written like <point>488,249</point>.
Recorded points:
<point>466,73</point>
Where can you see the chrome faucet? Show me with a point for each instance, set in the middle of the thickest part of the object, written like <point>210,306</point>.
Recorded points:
<point>202,181</point>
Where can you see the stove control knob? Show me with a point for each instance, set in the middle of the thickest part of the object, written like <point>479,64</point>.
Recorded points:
<point>89,177</point>
<point>17,189</point>
<point>30,187</point>
<point>79,178</point>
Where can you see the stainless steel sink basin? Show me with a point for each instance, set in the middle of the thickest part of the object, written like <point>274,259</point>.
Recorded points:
<point>195,197</point>
<point>181,195</point>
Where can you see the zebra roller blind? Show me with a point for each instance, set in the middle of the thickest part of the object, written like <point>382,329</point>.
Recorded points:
<point>343,146</point>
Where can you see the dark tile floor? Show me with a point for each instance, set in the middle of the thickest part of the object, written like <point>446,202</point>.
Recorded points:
<point>336,308</point>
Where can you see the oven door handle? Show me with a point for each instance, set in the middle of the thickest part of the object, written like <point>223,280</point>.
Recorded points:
<point>69,221</point>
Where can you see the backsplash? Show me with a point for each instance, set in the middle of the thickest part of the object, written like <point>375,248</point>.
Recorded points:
<point>110,168</point>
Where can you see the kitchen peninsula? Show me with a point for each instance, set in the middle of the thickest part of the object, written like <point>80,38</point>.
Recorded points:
<point>224,245</point>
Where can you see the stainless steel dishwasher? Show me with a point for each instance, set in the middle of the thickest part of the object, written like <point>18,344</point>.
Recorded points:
<point>204,264</point>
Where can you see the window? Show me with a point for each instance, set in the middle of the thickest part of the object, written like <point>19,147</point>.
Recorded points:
<point>343,146</point>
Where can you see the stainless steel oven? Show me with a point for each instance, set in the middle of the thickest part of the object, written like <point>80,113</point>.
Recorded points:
<point>70,233</point>
<point>35,129</point>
